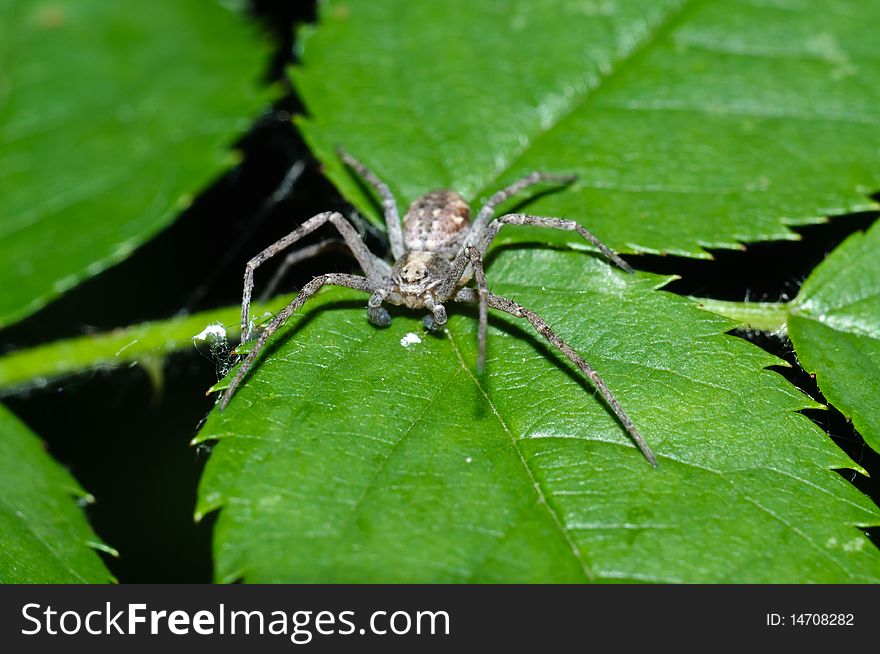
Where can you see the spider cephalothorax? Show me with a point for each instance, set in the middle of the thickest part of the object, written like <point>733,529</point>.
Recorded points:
<point>437,251</point>
<point>416,275</point>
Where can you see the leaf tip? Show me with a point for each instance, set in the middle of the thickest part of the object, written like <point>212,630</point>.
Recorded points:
<point>102,547</point>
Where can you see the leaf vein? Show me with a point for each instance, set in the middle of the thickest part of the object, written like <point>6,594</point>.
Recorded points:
<point>542,498</point>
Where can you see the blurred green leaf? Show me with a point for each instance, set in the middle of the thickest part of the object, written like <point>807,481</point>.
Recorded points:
<point>690,124</point>
<point>835,328</point>
<point>111,118</point>
<point>354,454</point>
<point>45,536</point>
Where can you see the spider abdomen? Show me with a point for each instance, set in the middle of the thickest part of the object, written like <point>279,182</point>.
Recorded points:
<point>437,222</point>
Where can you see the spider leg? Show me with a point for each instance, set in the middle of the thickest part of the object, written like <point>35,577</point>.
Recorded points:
<point>452,281</point>
<point>376,313</point>
<point>389,205</point>
<point>469,295</point>
<point>551,223</point>
<point>375,269</point>
<point>281,192</point>
<point>453,278</point>
<point>485,214</point>
<point>483,292</point>
<point>435,320</point>
<point>334,279</point>
<point>295,257</point>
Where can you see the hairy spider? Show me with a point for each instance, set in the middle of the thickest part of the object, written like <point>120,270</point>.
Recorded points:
<point>437,251</point>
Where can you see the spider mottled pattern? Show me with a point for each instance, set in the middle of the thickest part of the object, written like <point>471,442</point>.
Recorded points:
<point>437,252</point>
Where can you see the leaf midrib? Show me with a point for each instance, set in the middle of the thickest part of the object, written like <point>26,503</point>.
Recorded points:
<point>539,491</point>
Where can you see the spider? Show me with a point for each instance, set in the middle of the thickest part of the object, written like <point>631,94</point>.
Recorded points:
<point>437,251</point>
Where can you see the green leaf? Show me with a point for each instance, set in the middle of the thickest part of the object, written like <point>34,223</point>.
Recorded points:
<point>690,124</point>
<point>835,328</point>
<point>834,325</point>
<point>354,454</point>
<point>110,120</point>
<point>46,538</point>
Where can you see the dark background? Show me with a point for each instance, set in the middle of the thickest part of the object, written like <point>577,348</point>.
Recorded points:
<point>127,442</point>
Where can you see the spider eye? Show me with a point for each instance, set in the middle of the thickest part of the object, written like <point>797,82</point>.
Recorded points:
<point>413,272</point>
